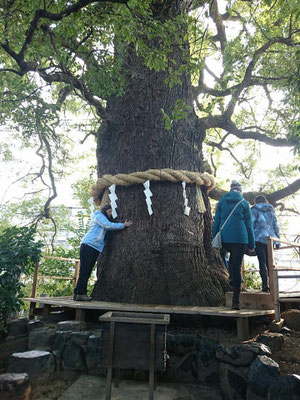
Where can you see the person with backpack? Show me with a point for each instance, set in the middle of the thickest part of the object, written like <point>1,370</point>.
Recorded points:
<point>265,224</point>
<point>233,218</point>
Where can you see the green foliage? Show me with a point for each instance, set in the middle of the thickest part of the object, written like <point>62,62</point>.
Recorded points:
<point>179,111</point>
<point>252,277</point>
<point>81,190</point>
<point>60,268</point>
<point>19,252</point>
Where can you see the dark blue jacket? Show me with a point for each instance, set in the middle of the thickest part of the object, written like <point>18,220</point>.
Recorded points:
<point>238,228</point>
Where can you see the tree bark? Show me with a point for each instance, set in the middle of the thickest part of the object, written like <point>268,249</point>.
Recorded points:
<point>165,258</point>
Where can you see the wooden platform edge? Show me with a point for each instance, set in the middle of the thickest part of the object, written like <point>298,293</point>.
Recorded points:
<point>151,308</point>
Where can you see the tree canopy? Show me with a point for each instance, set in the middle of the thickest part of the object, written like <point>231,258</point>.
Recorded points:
<point>59,59</point>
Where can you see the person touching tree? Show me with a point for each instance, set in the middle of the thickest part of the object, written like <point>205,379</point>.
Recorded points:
<point>92,245</point>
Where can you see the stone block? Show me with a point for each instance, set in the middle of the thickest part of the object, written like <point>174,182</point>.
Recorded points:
<point>93,351</point>
<point>276,326</point>
<point>34,324</point>
<point>17,327</point>
<point>207,365</point>
<point>73,326</point>
<point>80,338</point>
<point>233,381</point>
<point>15,387</point>
<point>243,354</point>
<point>186,370</point>
<point>273,340</point>
<point>58,343</point>
<point>289,387</point>
<point>73,357</point>
<point>292,319</point>
<point>263,375</point>
<point>40,339</point>
<point>34,363</point>
<point>181,343</point>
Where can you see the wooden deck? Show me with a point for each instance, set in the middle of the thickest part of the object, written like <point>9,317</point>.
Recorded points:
<point>62,303</point>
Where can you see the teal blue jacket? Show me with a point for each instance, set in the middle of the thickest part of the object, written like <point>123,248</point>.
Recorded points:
<point>239,228</point>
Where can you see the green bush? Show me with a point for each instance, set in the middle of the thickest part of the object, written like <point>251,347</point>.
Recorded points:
<point>19,252</point>
<point>252,278</point>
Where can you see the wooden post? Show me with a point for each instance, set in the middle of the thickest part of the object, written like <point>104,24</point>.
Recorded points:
<point>76,275</point>
<point>110,360</point>
<point>271,266</point>
<point>152,361</point>
<point>276,296</point>
<point>35,278</point>
<point>46,310</point>
<point>242,328</point>
<point>80,314</point>
<point>33,291</point>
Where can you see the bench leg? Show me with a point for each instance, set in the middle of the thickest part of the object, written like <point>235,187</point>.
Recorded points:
<point>110,360</point>
<point>80,315</point>
<point>46,310</point>
<point>242,328</point>
<point>32,310</point>
<point>152,361</point>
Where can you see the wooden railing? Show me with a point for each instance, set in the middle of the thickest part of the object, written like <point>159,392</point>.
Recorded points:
<point>36,275</point>
<point>274,269</point>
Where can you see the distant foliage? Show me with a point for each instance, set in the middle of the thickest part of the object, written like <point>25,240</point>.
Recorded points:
<point>252,278</point>
<point>19,252</point>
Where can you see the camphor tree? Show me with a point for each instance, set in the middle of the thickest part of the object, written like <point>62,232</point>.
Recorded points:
<point>143,69</point>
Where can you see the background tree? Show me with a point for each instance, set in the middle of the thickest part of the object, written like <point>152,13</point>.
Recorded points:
<point>144,70</point>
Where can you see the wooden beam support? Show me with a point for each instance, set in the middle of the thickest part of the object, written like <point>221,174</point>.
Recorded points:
<point>80,314</point>
<point>242,328</point>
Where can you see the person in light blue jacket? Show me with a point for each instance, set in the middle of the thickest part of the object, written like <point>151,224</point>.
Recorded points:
<point>91,245</point>
<point>265,224</point>
<point>237,234</point>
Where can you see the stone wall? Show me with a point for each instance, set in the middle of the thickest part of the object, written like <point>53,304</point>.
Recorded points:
<point>242,372</point>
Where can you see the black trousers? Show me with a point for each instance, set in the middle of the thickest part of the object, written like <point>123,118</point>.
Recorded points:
<point>237,251</point>
<point>88,258</point>
<point>262,255</point>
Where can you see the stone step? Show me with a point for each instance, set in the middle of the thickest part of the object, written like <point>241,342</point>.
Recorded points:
<point>35,363</point>
<point>252,300</point>
<point>15,387</point>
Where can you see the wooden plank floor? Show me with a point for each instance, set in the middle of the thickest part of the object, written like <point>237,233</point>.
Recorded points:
<point>221,311</point>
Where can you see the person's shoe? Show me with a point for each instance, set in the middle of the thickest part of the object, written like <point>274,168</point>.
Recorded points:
<point>266,289</point>
<point>74,296</point>
<point>82,297</point>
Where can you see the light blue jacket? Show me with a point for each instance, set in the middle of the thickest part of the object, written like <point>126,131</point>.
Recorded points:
<point>239,228</point>
<point>98,227</point>
<point>264,222</point>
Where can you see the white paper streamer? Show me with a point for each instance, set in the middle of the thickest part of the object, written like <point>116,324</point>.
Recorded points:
<point>92,206</point>
<point>148,195</point>
<point>187,209</point>
<point>113,198</point>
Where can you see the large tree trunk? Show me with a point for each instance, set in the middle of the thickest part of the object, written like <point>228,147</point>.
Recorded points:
<point>165,258</point>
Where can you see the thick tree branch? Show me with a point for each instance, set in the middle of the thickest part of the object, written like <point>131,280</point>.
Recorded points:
<point>273,198</point>
<point>248,74</point>
<point>229,126</point>
<point>217,18</point>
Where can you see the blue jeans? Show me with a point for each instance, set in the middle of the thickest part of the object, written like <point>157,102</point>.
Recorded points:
<point>88,258</point>
<point>237,251</point>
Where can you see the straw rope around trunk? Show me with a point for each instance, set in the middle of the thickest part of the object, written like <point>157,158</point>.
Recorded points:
<point>156,175</point>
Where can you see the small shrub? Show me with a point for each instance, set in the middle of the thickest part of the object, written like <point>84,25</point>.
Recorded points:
<point>19,252</point>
